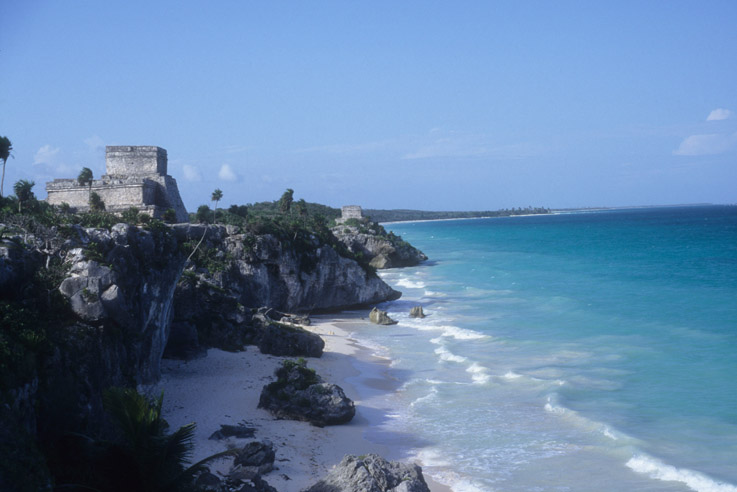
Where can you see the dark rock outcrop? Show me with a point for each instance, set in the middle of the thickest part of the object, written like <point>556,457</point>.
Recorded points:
<point>240,431</point>
<point>285,340</point>
<point>384,250</point>
<point>379,317</point>
<point>417,312</point>
<point>255,458</point>
<point>300,394</point>
<point>372,473</point>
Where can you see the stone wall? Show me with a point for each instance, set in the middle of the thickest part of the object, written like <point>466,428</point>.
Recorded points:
<point>133,160</point>
<point>136,177</point>
<point>350,212</point>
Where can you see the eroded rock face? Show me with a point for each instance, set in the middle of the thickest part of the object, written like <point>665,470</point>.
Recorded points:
<point>379,317</point>
<point>384,249</point>
<point>261,270</point>
<point>125,278</point>
<point>372,473</point>
<point>300,394</point>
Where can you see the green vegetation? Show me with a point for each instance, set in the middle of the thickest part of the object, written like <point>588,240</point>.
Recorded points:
<point>96,203</point>
<point>303,228</point>
<point>285,202</point>
<point>23,192</point>
<point>307,376</point>
<point>145,457</point>
<point>85,177</point>
<point>401,215</point>
<point>170,216</point>
<point>5,151</point>
<point>217,195</point>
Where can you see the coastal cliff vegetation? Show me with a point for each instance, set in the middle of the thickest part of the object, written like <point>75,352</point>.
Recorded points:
<point>90,301</point>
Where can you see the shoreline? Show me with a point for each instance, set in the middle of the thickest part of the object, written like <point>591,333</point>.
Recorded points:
<point>224,388</point>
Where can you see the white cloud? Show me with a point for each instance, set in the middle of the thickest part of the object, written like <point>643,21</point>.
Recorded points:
<point>191,173</point>
<point>95,143</point>
<point>708,144</point>
<point>226,173</point>
<point>46,155</point>
<point>719,114</point>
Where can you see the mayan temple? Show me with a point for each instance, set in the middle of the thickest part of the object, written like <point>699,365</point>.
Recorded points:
<point>136,176</point>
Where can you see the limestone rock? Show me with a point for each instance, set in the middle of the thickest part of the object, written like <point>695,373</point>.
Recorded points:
<point>380,317</point>
<point>300,394</point>
<point>417,312</point>
<point>372,473</point>
<point>382,249</point>
<point>255,458</point>
<point>286,340</point>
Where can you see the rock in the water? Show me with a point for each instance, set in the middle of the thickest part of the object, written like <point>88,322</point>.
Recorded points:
<point>380,317</point>
<point>256,458</point>
<point>372,473</point>
<point>240,431</point>
<point>417,312</point>
<point>300,394</point>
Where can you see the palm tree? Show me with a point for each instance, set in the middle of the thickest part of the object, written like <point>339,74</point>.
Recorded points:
<point>5,148</point>
<point>148,458</point>
<point>217,195</point>
<point>285,202</point>
<point>85,178</point>
<point>23,191</point>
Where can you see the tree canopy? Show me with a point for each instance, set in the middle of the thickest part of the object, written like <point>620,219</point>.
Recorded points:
<point>23,191</point>
<point>85,177</point>
<point>285,202</point>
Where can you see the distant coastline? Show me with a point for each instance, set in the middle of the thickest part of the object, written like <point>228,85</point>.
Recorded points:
<point>552,211</point>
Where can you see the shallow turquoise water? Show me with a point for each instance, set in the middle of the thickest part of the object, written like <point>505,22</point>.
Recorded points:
<point>589,351</point>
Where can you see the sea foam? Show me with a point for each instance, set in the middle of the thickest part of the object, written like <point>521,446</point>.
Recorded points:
<point>658,470</point>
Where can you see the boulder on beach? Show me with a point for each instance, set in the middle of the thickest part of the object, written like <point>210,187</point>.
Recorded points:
<point>254,459</point>
<point>300,394</point>
<point>240,431</point>
<point>379,317</point>
<point>372,473</point>
<point>417,312</point>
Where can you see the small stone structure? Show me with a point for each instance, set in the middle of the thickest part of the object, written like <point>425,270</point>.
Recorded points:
<point>136,177</point>
<point>350,212</point>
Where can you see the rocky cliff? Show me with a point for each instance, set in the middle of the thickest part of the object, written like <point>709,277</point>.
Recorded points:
<point>262,270</point>
<point>84,309</point>
<point>384,250</point>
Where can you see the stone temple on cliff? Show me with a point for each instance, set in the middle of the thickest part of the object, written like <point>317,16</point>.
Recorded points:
<point>349,212</point>
<point>136,177</point>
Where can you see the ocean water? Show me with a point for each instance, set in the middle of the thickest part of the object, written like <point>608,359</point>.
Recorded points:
<point>574,352</point>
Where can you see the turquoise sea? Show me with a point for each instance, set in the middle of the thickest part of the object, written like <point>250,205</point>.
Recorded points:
<point>590,351</point>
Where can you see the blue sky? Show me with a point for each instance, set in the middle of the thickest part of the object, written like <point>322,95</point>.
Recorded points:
<point>467,105</point>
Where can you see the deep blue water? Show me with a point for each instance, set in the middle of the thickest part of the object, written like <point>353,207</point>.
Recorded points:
<point>586,351</point>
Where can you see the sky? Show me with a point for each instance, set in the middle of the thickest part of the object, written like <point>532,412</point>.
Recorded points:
<point>462,105</point>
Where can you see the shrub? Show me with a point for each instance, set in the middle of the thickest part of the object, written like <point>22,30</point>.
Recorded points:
<point>204,214</point>
<point>96,202</point>
<point>130,216</point>
<point>170,216</point>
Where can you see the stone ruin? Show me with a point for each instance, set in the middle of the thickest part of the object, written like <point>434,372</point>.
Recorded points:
<point>350,212</point>
<point>136,177</point>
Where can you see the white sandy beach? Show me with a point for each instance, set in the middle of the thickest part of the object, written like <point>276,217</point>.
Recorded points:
<point>224,388</point>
